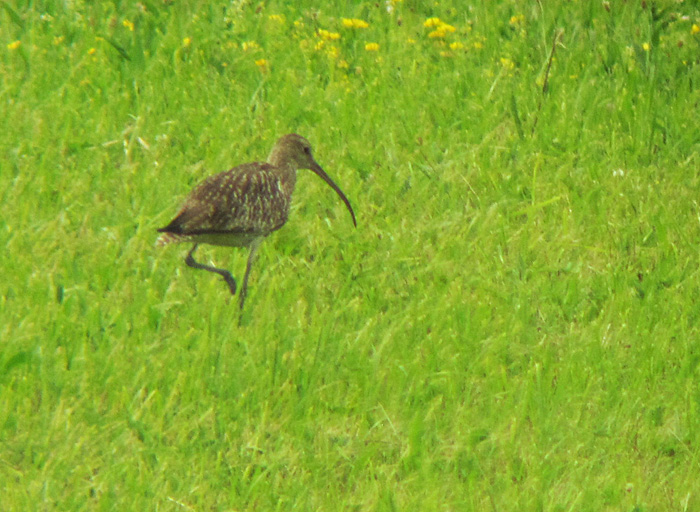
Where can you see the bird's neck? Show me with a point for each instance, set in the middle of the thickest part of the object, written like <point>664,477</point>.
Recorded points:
<point>281,156</point>
<point>288,178</point>
<point>286,167</point>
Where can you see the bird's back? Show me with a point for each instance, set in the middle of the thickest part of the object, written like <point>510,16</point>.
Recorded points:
<point>233,208</point>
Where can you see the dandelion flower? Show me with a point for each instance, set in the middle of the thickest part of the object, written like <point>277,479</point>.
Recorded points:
<point>354,23</point>
<point>187,41</point>
<point>518,19</point>
<point>372,47</point>
<point>507,63</point>
<point>695,29</point>
<point>327,35</point>
<point>14,45</point>
<point>646,47</point>
<point>91,51</point>
<point>128,24</point>
<point>333,52</point>
<point>432,22</point>
<point>441,31</point>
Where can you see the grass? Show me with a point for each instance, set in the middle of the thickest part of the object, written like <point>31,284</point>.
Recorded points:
<point>512,326</point>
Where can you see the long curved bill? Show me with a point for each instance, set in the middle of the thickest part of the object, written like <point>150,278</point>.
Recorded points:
<point>317,169</point>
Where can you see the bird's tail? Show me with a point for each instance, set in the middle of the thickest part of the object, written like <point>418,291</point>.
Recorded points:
<point>169,238</point>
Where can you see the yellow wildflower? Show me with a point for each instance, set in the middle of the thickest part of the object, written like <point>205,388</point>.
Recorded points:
<point>14,45</point>
<point>279,18</point>
<point>646,47</point>
<point>58,40</point>
<point>442,30</point>
<point>327,35</point>
<point>91,51</point>
<point>518,19</point>
<point>695,29</point>
<point>128,24</point>
<point>298,24</point>
<point>333,51</point>
<point>507,63</point>
<point>343,64</point>
<point>262,64</point>
<point>445,54</point>
<point>432,22</point>
<point>354,23</point>
<point>250,45</point>
<point>372,47</point>
<point>187,41</point>
<point>456,46</point>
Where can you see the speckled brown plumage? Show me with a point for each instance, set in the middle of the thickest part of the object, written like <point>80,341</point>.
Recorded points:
<point>233,207</point>
<point>239,207</point>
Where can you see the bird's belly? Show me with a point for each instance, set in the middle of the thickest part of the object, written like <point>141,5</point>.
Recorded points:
<point>225,239</point>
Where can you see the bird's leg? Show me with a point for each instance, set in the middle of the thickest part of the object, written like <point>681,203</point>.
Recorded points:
<point>253,250</point>
<point>230,281</point>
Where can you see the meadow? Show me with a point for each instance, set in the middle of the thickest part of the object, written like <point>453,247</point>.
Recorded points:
<point>513,324</point>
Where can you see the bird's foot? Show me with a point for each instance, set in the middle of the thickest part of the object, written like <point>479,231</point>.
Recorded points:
<point>230,281</point>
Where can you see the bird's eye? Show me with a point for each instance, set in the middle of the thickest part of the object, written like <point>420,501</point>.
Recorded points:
<point>307,150</point>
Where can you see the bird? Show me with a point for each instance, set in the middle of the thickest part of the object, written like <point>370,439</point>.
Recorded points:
<point>242,206</point>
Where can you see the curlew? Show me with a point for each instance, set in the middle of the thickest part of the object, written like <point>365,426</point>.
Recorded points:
<point>240,207</point>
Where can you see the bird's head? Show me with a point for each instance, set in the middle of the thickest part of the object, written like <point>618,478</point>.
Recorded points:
<point>293,148</point>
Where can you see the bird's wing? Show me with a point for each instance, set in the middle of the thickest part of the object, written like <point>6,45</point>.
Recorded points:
<point>246,199</point>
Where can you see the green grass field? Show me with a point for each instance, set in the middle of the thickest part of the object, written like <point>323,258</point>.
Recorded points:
<point>513,325</point>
